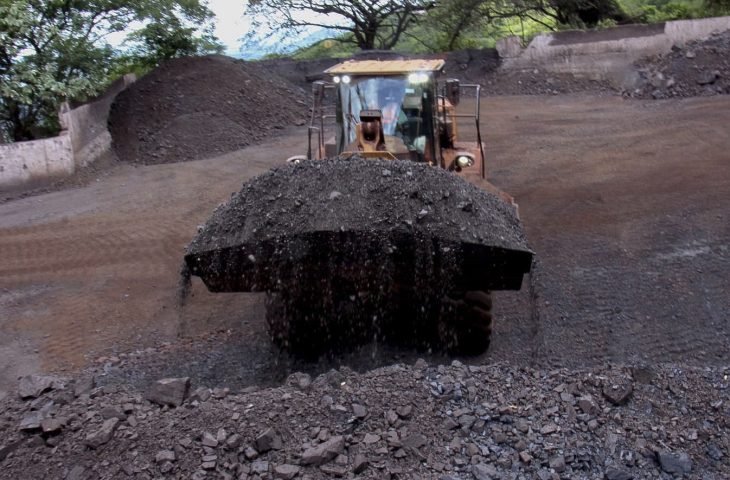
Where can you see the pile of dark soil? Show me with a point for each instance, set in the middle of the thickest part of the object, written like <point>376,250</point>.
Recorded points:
<point>356,210</point>
<point>470,65</point>
<point>199,107</point>
<point>700,68</point>
<point>299,72</point>
<point>442,422</point>
<point>361,194</point>
<point>482,66</point>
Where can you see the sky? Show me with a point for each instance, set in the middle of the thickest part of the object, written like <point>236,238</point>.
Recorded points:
<point>230,25</point>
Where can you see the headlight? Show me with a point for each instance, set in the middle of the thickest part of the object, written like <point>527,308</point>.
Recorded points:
<point>345,79</point>
<point>463,161</point>
<point>336,79</point>
<point>418,77</point>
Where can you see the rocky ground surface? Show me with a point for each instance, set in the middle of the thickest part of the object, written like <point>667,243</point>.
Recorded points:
<point>402,421</point>
<point>197,107</point>
<point>700,68</point>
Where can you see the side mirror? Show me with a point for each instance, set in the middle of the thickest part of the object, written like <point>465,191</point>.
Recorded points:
<point>318,93</point>
<point>452,91</point>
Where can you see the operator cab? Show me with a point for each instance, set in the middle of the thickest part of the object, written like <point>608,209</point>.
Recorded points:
<point>387,108</point>
<point>402,106</point>
<point>396,109</point>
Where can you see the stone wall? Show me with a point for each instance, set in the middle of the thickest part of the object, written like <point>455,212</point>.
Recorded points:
<point>35,161</point>
<point>608,53</point>
<point>84,139</point>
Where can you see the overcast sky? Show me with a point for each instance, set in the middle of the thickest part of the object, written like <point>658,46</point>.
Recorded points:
<point>230,25</point>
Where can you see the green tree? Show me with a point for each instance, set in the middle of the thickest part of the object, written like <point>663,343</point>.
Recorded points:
<point>372,24</point>
<point>169,38</point>
<point>57,50</point>
<point>448,23</point>
<point>587,13</point>
<point>718,7</point>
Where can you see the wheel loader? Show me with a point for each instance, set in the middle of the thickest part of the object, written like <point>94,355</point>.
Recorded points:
<point>424,284</point>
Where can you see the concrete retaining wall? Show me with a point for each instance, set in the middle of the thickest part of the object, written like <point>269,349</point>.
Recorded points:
<point>604,53</point>
<point>35,161</point>
<point>84,139</point>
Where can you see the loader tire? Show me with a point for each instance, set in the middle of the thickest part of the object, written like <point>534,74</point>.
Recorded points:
<point>309,331</point>
<point>289,329</point>
<point>466,322</point>
<point>277,322</point>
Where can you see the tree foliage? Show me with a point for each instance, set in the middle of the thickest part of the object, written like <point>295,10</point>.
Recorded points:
<point>371,24</point>
<point>57,50</point>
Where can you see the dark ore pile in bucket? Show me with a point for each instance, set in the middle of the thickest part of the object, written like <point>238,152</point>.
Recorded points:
<point>369,233</point>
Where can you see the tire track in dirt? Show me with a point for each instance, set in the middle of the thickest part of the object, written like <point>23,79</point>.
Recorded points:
<point>126,247</point>
<point>107,257</point>
<point>103,269</point>
<point>602,194</point>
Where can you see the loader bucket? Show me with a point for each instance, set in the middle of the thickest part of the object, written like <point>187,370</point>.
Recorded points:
<point>361,223</point>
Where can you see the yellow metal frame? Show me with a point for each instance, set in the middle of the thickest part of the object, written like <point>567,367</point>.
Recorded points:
<point>385,67</point>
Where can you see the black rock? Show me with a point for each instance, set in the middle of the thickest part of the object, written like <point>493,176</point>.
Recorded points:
<point>169,391</point>
<point>678,463</point>
<point>616,474</point>
<point>619,393</point>
<point>714,452</point>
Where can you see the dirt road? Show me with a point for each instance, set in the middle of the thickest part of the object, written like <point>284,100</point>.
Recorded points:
<point>625,203</point>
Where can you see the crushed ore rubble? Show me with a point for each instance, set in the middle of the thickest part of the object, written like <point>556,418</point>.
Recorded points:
<point>378,207</point>
<point>396,422</point>
<point>361,194</point>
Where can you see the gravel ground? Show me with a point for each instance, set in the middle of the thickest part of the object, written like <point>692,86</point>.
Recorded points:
<point>397,422</point>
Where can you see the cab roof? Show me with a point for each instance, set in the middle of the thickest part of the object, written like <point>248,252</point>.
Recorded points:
<point>385,67</point>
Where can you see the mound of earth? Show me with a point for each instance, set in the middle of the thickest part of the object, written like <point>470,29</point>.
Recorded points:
<point>700,68</point>
<point>197,107</point>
